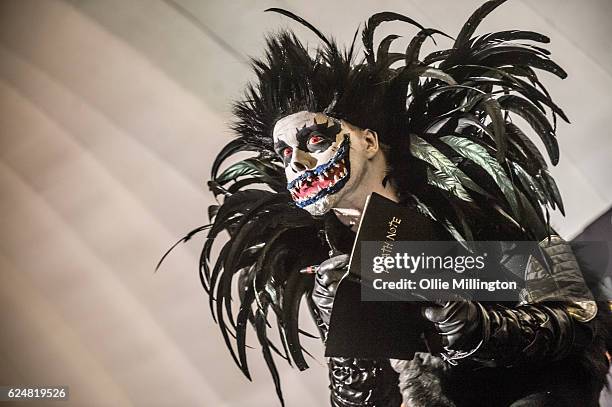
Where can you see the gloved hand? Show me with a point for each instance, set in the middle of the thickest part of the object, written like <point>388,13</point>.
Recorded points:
<point>459,323</point>
<point>328,275</point>
<point>500,336</point>
<point>353,382</point>
<point>547,326</point>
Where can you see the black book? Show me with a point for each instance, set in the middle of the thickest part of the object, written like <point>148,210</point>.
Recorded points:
<point>381,329</point>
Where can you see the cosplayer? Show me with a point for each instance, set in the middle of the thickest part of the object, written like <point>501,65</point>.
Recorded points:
<point>440,133</point>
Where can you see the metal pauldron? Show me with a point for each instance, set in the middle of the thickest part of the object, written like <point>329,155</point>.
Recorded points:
<point>562,280</point>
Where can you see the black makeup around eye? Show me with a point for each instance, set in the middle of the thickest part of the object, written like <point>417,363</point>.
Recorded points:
<point>279,147</point>
<point>303,135</point>
<point>323,130</point>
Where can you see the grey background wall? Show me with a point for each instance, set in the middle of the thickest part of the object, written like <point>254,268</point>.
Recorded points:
<point>110,114</point>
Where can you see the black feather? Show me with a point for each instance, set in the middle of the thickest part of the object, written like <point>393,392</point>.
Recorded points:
<point>473,22</point>
<point>536,120</point>
<point>373,22</point>
<point>301,21</point>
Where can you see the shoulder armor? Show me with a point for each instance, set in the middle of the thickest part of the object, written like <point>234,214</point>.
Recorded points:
<point>562,280</point>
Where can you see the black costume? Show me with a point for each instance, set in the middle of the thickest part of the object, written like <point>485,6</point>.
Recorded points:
<point>454,152</point>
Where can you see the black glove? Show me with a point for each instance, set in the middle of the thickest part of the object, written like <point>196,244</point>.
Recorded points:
<point>499,336</point>
<point>459,324</point>
<point>328,275</point>
<point>554,318</point>
<point>353,382</point>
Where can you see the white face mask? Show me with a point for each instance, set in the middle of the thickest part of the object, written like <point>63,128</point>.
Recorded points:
<point>315,151</point>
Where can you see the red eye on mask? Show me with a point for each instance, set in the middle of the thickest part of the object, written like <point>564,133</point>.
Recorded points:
<point>287,152</point>
<point>315,139</point>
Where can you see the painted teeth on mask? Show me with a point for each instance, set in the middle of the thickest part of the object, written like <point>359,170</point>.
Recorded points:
<point>337,171</point>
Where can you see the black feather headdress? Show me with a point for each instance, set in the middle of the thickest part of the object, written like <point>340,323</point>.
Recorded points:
<point>453,145</point>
